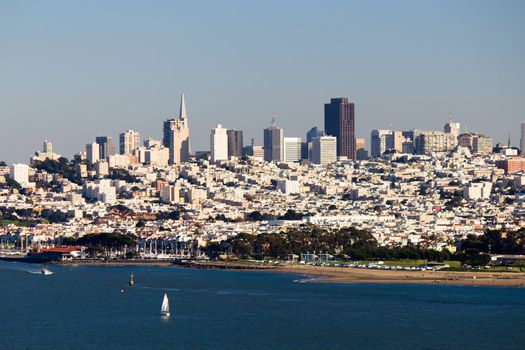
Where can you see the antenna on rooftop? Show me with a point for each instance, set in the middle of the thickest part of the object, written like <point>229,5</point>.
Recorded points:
<point>273,120</point>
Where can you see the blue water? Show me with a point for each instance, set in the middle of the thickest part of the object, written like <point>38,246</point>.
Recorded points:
<point>84,308</point>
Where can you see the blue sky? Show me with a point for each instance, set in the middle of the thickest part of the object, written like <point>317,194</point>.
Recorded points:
<point>72,70</point>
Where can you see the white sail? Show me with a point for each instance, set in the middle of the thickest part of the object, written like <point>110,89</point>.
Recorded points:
<point>165,308</point>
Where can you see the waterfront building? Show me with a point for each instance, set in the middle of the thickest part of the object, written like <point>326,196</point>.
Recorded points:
<point>292,149</point>
<point>339,121</point>
<point>176,136</point>
<point>273,143</point>
<point>129,141</point>
<point>324,150</point>
<point>235,143</point>
<point>219,144</point>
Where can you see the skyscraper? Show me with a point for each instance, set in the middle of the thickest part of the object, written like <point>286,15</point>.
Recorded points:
<point>324,150</point>
<point>235,143</point>
<point>93,152</point>
<point>106,146</point>
<point>313,133</point>
<point>219,143</point>
<point>292,149</point>
<point>273,143</point>
<point>176,136</point>
<point>129,141</point>
<point>380,141</point>
<point>522,140</point>
<point>339,121</point>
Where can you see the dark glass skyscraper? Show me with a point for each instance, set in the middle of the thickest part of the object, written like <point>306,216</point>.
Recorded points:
<point>273,143</point>
<point>339,121</point>
<point>106,146</point>
<point>235,143</point>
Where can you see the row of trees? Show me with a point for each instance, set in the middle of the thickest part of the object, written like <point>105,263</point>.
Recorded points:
<point>361,245</point>
<point>105,243</point>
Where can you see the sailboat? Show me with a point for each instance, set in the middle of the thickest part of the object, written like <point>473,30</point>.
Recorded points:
<point>131,281</point>
<point>165,308</point>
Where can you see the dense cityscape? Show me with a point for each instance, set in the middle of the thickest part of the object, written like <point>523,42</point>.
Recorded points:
<point>416,188</point>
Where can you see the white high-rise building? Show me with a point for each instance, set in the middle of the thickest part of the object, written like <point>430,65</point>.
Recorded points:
<point>129,141</point>
<point>19,173</point>
<point>522,140</point>
<point>219,143</point>
<point>177,136</point>
<point>292,149</point>
<point>93,152</point>
<point>324,150</point>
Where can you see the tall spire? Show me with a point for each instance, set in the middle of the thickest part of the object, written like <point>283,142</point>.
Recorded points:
<point>182,112</point>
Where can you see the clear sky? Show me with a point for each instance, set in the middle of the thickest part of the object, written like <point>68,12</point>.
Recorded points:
<point>72,70</point>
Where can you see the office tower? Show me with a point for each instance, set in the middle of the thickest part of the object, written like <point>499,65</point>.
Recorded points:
<point>305,146</point>
<point>273,143</point>
<point>452,127</point>
<point>129,141</point>
<point>313,133</point>
<point>435,141</point>
<point>339,121</point>
<point>235,143</point>
<point>219,143</point>
<point>19,173</point>
<point>360,151</point>
<point>176,136</point>
<point>324,150</point>
<point>522,140</point>
<point>47,147</point>
<point>92,152</point>
<point>106,146</point>
<point>380,142</point>
<point>292,149</point>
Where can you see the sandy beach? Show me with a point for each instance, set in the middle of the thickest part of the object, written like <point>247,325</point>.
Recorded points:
<point>356,275</point>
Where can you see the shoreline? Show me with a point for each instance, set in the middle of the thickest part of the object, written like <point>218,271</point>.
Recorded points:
<point>327,274</point>
<point>355,275</point>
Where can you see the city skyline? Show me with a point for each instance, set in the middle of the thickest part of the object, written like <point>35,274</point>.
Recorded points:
<point>91,80</point>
